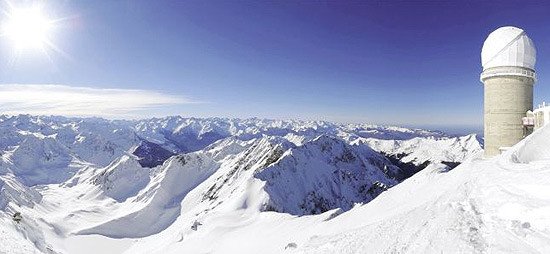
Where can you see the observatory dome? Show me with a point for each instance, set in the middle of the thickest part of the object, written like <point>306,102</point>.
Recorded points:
<point>508,46</point>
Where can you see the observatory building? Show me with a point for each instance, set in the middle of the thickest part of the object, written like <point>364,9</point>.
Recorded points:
<point>508,57</point>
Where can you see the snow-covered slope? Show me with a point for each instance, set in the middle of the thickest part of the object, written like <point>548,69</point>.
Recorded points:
<point>122,179</point>
<point>12,190</point>
<point>499,205</point>
<point>170,182</point>
<point>415,154</point>
<point>324,174</point>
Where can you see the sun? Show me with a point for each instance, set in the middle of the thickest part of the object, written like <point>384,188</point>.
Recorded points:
<point>27,28</point>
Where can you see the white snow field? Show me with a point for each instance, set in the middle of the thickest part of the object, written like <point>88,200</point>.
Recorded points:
<point>187,185</point>
<point>500,205</point>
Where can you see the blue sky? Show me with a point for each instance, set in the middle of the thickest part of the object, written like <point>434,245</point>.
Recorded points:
<point>411,63</point>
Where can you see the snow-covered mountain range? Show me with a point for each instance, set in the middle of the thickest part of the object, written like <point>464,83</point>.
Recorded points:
<point>161,184</point>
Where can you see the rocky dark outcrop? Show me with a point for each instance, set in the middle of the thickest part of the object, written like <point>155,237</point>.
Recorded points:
<point>150,154</point>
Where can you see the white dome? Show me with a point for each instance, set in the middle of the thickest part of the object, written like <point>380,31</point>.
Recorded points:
<point>508,46</point>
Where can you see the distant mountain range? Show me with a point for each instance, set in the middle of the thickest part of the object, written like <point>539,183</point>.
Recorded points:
<point>132,179</point>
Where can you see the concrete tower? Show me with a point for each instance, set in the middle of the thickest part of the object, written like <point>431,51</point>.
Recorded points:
<point>508,58</point>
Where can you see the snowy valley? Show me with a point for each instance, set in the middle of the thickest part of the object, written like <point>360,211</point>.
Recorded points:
<point>191,185</point>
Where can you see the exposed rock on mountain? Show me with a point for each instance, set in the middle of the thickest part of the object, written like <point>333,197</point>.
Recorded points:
<point>74,178</point>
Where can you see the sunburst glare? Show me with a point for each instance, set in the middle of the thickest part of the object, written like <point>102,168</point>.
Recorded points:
<point>27,28</point>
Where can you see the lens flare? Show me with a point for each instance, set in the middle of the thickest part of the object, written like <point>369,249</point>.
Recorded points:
<point>27,28</point>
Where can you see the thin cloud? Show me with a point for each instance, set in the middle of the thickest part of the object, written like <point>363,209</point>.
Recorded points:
<point>85,101</point>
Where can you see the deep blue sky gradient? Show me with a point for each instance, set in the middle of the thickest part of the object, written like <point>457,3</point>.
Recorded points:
<point>414,63</point>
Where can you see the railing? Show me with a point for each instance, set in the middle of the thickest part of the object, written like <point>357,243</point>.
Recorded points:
<point>512,71</point>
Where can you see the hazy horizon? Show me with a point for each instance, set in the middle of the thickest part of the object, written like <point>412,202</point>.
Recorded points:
<point>453,130</point>
<point>406,64</point>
